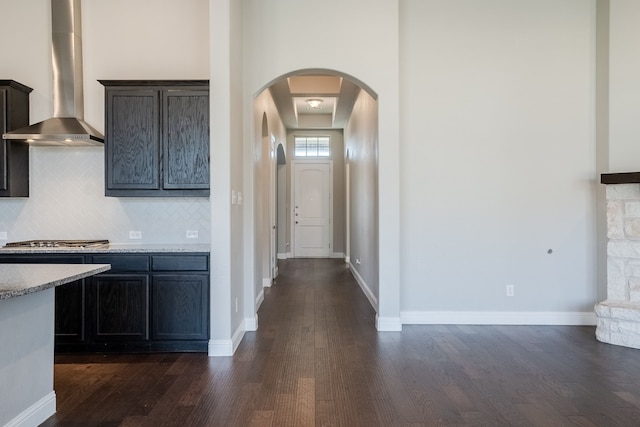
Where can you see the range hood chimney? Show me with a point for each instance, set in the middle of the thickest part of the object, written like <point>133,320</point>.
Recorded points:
<point>67,127</point>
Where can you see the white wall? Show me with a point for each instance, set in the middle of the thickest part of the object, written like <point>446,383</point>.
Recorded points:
<point>228,224</point>
<point>263,163</point>
<point>624,72</point>
<point>602,140</point>
<point>361,143</point>
<point>497,155</point>
<point>67,185</point>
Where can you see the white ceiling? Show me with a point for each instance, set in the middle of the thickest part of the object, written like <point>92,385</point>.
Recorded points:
<point>337,94</point>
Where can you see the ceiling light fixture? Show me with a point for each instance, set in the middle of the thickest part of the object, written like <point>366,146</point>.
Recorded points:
<point>314,104</point>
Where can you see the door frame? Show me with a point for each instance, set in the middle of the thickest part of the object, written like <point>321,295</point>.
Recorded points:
<point>292,201</point>
<point>273,192</point>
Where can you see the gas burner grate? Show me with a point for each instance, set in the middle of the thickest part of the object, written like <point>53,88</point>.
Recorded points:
<point>56,244</point>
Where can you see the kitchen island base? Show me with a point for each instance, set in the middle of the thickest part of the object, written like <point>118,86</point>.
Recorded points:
<point>26,359</point>
<point>27,298</point>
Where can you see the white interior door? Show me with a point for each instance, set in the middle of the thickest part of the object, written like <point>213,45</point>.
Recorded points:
<point>312,209</point>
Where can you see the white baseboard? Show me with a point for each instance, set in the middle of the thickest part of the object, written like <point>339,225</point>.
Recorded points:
<point>237,336</point>
<point>365,288</point>
<point>337,255</point>
<point>282,256</point>
<point>266,282</point>
<point>388,324</point>
<point>251,323</point>
<point>289,254</point>
<point>219,348</point>
<point>498,318</point>
<point>37,413</point>
<point>259,299</point>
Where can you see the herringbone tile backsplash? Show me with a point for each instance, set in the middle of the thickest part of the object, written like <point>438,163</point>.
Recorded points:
<point>67,201</point>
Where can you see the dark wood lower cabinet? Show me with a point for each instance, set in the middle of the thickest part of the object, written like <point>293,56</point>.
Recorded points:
<point>145,303</point>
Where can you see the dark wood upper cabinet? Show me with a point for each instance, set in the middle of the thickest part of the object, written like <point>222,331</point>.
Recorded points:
<point>14,155</point>
<point>157,138</point>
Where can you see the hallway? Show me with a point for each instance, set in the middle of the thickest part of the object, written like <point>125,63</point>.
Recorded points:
<point>317,359</point>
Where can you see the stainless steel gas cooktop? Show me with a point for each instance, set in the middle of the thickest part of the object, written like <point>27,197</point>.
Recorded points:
<point>56,244</point>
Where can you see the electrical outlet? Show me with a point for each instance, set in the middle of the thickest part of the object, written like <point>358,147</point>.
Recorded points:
<point>3,235</point>
<point>192,234</point>
<point>510,290</point>
<point>135,234</point>
<point>357,260</point>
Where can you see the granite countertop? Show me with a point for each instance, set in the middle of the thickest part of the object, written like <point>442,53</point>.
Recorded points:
<point>23,279</point>
<point>114,248</point>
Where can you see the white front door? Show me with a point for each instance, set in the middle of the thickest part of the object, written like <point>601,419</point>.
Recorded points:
<point>312,208</point>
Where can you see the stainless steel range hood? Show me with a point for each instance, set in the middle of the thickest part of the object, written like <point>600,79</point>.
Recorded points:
<point>67,126</point>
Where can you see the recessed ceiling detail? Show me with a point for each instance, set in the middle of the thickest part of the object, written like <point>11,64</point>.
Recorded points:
<point>314,84</point>
<point>335,94</point>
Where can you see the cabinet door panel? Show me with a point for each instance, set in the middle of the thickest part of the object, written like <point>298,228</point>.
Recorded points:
<point>121,307</point>
<point>180,307</point>
<point>186,139</point>
<point>133,140</point>
<point>69,307</point>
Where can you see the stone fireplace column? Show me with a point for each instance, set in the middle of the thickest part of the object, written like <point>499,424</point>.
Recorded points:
<point>618,317</point>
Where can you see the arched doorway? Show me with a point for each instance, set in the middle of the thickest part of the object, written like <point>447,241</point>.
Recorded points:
<point>358,129</point>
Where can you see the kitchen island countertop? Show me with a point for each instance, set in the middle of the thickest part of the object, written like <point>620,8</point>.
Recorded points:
<point>23,279</point>
<point>114,248</point>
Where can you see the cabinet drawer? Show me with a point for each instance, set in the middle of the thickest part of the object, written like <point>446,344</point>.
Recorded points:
<point>180,263</point>
<point>121,263</point>
<point>41,259</point>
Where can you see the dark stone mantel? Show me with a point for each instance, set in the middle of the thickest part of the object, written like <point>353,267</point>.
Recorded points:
<point>620,178</point>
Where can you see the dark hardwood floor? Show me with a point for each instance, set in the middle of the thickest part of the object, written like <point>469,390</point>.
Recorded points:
<point>318,360</point>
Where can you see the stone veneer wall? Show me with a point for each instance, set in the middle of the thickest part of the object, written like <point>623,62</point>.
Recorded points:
<point>618,317</point>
